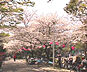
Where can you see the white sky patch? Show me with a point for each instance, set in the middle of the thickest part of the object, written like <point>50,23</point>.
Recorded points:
<point>54,6</point>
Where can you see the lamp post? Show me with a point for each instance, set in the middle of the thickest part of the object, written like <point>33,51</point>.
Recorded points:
<point>53,55</point>
<point>53,47</point>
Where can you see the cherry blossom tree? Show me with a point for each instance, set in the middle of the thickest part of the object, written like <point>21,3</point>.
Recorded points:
<point>43,30</point>
<point>78,10</point>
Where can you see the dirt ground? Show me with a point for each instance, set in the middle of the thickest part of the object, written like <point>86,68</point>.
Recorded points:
<point>21,66</point>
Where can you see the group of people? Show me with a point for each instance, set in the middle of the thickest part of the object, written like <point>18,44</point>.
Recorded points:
<point>70,61</point>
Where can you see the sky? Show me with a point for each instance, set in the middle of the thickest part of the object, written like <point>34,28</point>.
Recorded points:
<point>54,6</point>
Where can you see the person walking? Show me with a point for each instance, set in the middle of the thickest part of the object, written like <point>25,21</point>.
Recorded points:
<point>14,57</point>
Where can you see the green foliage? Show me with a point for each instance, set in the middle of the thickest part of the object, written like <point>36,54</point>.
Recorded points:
<point>27,3</point>
<point>3,9</point>
<point>66,49</point>
<point>1,48</point>
<point>76,7</point>
<point>4,34</point>
<point>17,10</point>
<point>20,18</point>
<point>71,7</point>
<point>1,26</point>
<point>17,22</point>
<point>79,46</point>
<point>10,9</point>
<point>32,4</point>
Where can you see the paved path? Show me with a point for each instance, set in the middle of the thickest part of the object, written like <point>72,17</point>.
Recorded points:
<point>20,66</point>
